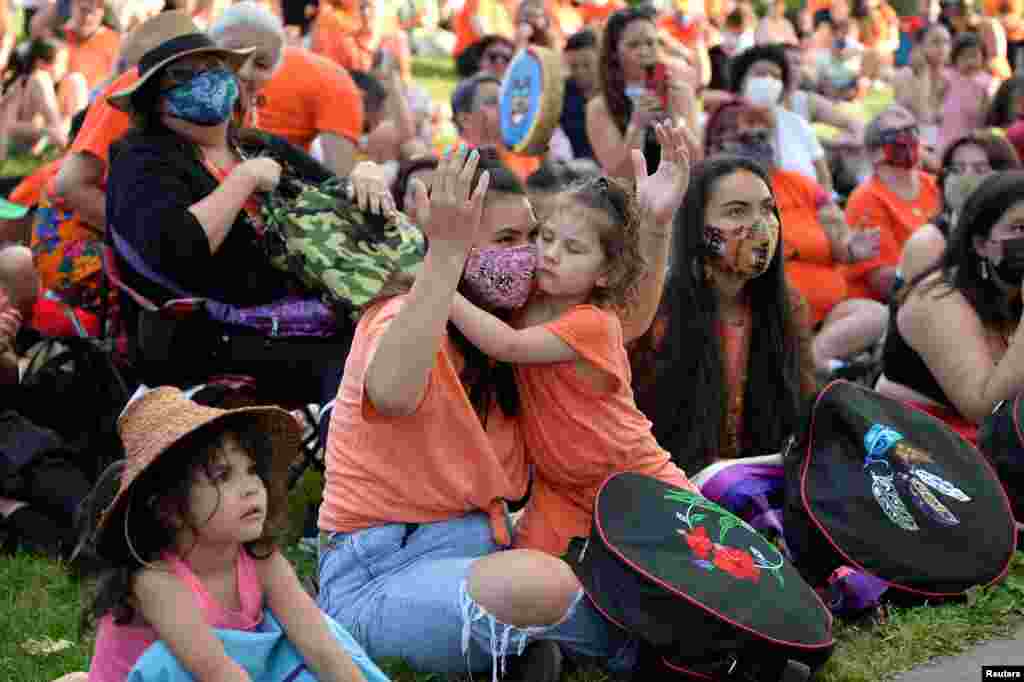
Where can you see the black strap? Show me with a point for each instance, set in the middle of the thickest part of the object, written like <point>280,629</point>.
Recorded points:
<point>410,528</point>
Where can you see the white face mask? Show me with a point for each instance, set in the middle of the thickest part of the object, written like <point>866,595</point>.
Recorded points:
<point>763,91</point>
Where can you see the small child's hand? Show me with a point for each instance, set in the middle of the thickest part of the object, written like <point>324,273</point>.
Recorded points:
<point>661,194</point>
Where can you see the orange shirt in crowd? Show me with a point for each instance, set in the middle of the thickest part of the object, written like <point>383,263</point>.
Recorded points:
<point>873,204</point>
<point>93,57</point>
<point>593,14</point>
<point>29,190</point>
<point>814,6</point>
<point>882,26</point>
<point>522,165</point>
<point>496,20</point>
<point>688,35</point>
<point>577,434</point>
<point>567,18</point>
<point>1001,8</point>
<point>342,38</point>
<point>103,123</point>
<point>459,466</point>
<point>306,96</point>
<point>806,248</point>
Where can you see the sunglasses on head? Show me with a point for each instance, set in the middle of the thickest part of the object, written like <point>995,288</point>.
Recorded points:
<point>180,73</point>
<point>898,134</point>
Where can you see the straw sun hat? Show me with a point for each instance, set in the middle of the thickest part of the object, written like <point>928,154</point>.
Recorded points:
<point>164,39</point>
<point>153,423</point>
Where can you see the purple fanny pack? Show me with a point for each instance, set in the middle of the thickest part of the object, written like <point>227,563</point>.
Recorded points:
<point>290,316</point>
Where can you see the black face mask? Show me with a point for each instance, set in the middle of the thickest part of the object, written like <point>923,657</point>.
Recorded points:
<point>1011,267</point>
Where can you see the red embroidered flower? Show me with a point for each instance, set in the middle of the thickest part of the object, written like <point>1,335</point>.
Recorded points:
<point>699,542</point>
<point>737,563</point>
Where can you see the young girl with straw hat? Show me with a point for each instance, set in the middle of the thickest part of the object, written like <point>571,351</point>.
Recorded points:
<point>188,539</point>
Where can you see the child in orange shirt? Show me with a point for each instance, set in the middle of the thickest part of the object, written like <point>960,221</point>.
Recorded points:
<point>579,420</point>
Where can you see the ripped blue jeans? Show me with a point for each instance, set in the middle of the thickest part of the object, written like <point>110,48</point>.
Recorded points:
<point>401,592</point>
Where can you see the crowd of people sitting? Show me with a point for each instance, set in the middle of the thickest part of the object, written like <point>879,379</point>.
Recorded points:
<point>732,211</point>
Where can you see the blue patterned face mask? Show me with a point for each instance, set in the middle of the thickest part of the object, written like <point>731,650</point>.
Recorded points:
<point>206,100</point>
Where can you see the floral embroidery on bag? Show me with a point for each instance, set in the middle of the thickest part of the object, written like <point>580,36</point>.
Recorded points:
<point>742,564</point>
<point>903,472</point>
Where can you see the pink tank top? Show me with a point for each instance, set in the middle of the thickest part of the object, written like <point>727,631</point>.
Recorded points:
<point>118,647</point>
<point>963,110</point>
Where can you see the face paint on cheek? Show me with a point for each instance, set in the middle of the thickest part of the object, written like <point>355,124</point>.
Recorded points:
<point>747,251</point>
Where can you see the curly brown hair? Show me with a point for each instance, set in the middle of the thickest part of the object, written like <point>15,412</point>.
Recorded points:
<point>619,236</point>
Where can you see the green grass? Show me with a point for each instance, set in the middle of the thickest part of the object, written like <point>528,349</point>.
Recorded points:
<point>436,75</point>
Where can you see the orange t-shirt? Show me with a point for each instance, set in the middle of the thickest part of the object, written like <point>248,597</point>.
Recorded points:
<point>884,27</point>
<point>577,435</point>
<point>95,56</point>
<point>873,204</point>
<point>522,165</point>
<point>689,35</point>
<point>567,18</point>
<point>805,244</point>
<point>28,191</point>
<point>597,14</point>
<point>432,465</point>
<point>309,95</point>
<point>1001,8</point>
<point>494,14</point>
<point>342,39</point>
<point>814,6</point>
<point>104,124</point>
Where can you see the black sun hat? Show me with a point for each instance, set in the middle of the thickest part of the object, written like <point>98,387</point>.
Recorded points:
<point>183,39</point>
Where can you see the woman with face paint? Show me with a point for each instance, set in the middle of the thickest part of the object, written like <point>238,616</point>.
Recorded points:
<point>965,163</point>
<point>183,201</point>
<point>817,243</point>
<point>957,346</point>
<point>725,369</point>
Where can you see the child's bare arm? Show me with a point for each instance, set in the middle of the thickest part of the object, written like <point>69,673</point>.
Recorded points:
<point>499,341</point>
<point>169,606</point>
<point>304,623</point>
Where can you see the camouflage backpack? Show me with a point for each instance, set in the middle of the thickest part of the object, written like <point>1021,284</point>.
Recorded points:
<point>317,233</point>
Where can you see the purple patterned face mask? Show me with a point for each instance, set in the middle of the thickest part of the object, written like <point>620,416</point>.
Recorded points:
<point>500,276</point>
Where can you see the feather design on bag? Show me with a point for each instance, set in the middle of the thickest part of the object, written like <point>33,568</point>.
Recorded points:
<point>940,484</point>
<point>889,500</point>
<point>928,503</point>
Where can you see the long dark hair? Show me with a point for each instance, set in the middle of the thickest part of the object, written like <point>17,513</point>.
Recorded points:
<point>613,84</point>
<point>683,348</point>
<point>162,489</point>
<point>1000,112</point>
<point>960,267</point>
<point>28,55</point>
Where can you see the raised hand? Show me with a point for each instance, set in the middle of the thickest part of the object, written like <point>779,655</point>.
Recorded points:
<point>451,215</point>
<point>662,193</point>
